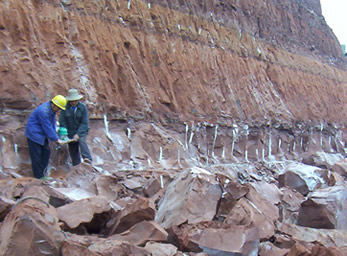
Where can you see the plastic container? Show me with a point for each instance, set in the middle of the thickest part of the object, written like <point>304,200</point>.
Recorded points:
<point>62,133</point>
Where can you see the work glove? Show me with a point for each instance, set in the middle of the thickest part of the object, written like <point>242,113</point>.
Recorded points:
<point>75,138</point>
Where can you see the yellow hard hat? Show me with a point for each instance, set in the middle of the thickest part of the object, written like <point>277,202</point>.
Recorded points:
<point>59,101</point>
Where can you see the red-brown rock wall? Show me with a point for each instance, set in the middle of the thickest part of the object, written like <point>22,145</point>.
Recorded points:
<point>296,25</point>
<point>170,60</point>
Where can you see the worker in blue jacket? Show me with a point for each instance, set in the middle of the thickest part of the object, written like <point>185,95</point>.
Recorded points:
<point>75,119</point>
<point>40,128</point>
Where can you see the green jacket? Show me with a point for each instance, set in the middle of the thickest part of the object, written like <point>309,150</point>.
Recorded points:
<point>76,122</point>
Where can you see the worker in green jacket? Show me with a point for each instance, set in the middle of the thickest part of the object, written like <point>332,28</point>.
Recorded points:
<point>75,119</point>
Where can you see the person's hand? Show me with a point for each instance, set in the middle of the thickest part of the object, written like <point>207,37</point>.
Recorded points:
<point>76,137</point>
<point>60,142</point>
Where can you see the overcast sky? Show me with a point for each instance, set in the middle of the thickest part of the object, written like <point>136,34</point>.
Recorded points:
<point>335,14</point>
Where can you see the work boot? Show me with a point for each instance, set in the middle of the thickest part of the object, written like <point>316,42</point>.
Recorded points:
<point>46,178</point>
<point>87,161</point>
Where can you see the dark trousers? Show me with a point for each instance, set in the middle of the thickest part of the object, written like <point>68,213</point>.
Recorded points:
<point>76,147</point>
<point>39,157</point>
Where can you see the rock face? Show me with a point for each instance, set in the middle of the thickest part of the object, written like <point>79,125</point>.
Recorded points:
<point>211,122</point>
<point>263,71</point>
<point>246,60</point>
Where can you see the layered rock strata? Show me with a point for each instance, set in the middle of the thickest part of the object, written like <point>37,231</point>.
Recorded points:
<point>184,60</point>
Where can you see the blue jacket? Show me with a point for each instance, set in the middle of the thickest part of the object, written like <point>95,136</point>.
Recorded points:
<point>76,121</point>
<point>41,124</point>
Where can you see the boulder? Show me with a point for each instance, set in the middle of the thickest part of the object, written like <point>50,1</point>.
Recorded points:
<point>216,238</point>
<point>31,228</point>
<point>326,237</point>
<point>160,249</point>
<point>340,167</point>
<point>192,197</point>
<point>304,178</point>
<point>325,208</point>
<point>89,214</point>
<point>290,205</point>
<point>70,248</point>
<point>269,249</point>
<point>247,214</point>
<point>5,207</point>
<point>268,191</point>
<point>133,211</point>
<point>141,233</point>
<point>323,159</point>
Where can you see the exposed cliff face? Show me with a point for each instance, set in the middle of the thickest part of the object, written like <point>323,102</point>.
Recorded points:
<point>295,25</point>
<point>175,60</point>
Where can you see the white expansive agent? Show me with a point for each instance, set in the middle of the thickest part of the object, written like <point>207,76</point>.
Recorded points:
<point>191,134</point>
<point>181,144</point>
<point>129,133</point>
<point>161,181</point>
<point>179,158</point>
<point>161,159</point>
<point>214,139</point>
<point>246,155</point>
<point>121,20</point>
<point>301,142</point>
<point>160,154</point>
<point>191,137</point>
<point>149,162</point>
<point>15,148</point>
<point>235,134</point>
<point>107,132</point>
<point>279,144</point>
<point>270,142</point>
<point>245,128</point>
<point>197,170</point>
<point>186,136</point>
<point>263,154</point>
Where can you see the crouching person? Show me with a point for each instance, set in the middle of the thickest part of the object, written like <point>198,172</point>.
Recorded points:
<point>75,119</point>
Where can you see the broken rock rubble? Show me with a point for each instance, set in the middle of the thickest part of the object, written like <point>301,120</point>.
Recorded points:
<point>195,211</point>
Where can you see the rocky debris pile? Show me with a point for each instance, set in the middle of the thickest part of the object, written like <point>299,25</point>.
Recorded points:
<point>297,209</point>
